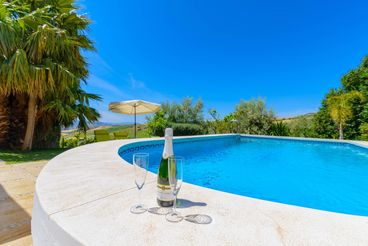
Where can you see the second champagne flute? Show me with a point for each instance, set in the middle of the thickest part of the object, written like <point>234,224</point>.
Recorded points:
<point>140,162</point>
<point>175,168</point>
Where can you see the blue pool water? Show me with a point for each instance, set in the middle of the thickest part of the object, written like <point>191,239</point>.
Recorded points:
<point>320,175</point>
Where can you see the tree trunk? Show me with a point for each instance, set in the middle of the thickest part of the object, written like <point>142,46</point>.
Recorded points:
<point>18,105</point>
<point>31,122</point>
<point>47,131</point>
<point>341,132</point>
<point>4,121</point>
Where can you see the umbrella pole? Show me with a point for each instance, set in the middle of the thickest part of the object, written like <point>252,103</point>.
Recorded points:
<point>135,122</point>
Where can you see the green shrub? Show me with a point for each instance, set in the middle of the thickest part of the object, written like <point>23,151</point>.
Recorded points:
<point>302,126</point>
<point>75,141</point>
<point>253,117</point>
<point>364,131</point>
<point>185,129</point>
<point>157,124</point>
<point>279,129</point>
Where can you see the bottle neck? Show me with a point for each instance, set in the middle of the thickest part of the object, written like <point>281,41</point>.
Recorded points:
<point>168,148</point>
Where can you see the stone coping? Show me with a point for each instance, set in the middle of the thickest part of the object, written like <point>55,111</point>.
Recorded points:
<point>83,197</point>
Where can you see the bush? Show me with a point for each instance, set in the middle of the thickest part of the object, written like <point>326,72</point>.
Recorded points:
<point>302,126</point>
<point>364,131</point>
<point>75,141</point>
<point>254,117</point>
<point>184,129</point>
<point>157,124</point>
<point>279,129</point>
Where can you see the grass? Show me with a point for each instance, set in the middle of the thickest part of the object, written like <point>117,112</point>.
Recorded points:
<point>142,133</point>
<point>15,157</point>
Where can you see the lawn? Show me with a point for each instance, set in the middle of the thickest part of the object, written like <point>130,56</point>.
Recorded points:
<point>142,131</point>
<point>14,157</point>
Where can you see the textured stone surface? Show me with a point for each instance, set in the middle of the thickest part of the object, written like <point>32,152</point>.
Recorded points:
<point>17,183</point>
<point>85,195</point>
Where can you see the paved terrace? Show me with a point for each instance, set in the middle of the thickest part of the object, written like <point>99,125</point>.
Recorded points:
<point>84,195</point>
<point>17,184</point>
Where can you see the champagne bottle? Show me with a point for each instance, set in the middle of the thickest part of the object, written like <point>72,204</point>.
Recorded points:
<point>165,198</point>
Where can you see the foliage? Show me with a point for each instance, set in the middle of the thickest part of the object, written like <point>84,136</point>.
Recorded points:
<point>301,126</point>
<point>77,140</point>
<point>279,129</point>
<point>174,113</point>
<point>219,126</point>
<point>40,46</point>
<point>364,131</point>
<point>253,117</point>
<point>157,124</point>
<point>186,129</point>
<point>340,108</point>
<point>185,112</point>
<point>355,82</point>
<point>323,125</point>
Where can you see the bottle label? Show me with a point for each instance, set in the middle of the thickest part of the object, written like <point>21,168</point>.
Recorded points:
<point>164,193</point>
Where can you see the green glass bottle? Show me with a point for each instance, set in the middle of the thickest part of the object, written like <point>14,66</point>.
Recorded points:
<point>165,198</point>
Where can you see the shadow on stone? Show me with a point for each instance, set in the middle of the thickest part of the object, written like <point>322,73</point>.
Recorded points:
<point>15,222</point>
<point>202,219</point>
<point>159,210</point>
<point>184,203</point>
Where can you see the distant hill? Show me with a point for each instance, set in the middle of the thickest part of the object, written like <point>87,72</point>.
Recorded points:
<point>99,123</point>
<point>289,119</point>
<point>142,130</point>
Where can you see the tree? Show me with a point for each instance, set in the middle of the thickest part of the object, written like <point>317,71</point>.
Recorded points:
<point>40,44</point>
<point>185,118</point>
<point>4,121</point>
<point>216,125</point>
<point>340,108</point>
<point>279,128</point>
<point>253,117</point>
<point>302,126</point>
<point>355,80</point>
<point>186,112</point>
<point>322,124</point>
<point>157,124</point>
<point>364,131</point>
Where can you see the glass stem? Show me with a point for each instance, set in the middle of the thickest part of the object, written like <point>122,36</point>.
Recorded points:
<point>139,196</point>
<point>174,205</point>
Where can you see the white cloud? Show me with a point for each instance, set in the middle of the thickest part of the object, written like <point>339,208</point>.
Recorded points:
<point>110,117</point>
<point>107,116</point>
<point>97,82</point>
<point>98,63</point>
<point>134,83</point>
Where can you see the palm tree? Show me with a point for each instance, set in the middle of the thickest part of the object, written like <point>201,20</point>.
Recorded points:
<point>40,44</point>
<point>77,108</point>
<point>340,108</point>
<point>4,121</point>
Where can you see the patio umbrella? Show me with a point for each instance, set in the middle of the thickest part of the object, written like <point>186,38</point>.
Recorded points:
<point>134,107</point>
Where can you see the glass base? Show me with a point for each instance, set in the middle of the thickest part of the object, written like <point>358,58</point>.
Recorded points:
<point>138,209</point>
<point>174,217</point>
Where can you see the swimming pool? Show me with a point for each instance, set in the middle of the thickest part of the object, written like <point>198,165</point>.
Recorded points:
<point>328,176</point>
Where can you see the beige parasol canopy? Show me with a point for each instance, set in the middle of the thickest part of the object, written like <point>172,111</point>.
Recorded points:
<point>134,107</point>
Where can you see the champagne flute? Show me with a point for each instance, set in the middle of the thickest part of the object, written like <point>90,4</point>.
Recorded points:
<point>175,168</point>
<point>140,162</point>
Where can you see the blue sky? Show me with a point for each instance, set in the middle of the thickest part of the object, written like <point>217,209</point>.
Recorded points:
<point>287,52</point>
